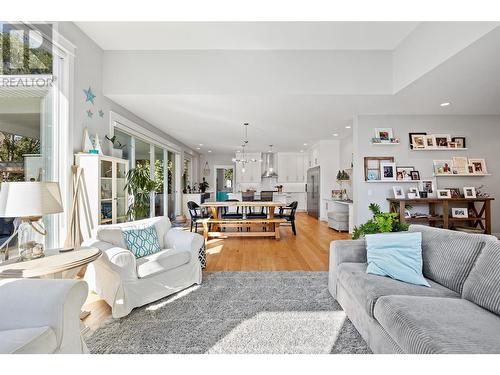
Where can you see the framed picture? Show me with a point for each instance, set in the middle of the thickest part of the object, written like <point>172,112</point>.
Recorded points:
<point>388,171</point>
<point>415,175</point>
<point>411,138</point>
<point>470,168</point>
<point>398,192</point>
<point>442,140</point>
<point>469,192</point>
<point>336,194</point>
<point>452,144</point>
<point>459,212</point>
<point>460,141</point>
<point>418,141</point>
<point>404,173</point>
<point>460,164</point>
<point>430,141</point>
<point>479,166</point>
<point>373,175</point>
<point>384,134</point>
<point>372,166</point>
<point>427,186</point>
<point>455,192</point>
<point>443,194</point>
<point>413,193</point>
<point>443,166</point>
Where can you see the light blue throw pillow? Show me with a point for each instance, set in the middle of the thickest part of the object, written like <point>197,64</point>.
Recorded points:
<point>397,255</point>
<point>142,242</point>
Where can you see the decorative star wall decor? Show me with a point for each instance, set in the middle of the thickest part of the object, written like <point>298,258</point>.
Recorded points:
<point>101,113</point>
<point>89,95</point>
<point>90,114</point>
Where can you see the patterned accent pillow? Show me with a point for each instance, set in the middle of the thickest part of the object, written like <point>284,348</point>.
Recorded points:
<point>142,241</point>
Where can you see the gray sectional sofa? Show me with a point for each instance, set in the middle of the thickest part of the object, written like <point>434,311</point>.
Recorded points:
<point>459,313</point>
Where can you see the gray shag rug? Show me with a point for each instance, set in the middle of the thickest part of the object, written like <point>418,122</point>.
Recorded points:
<point>237,312</point>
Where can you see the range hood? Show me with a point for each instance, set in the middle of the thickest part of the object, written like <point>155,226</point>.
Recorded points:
<point>268,165</point>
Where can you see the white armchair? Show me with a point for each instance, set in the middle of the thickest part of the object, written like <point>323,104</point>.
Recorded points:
<point>125,282</point>
<point>41,316</point>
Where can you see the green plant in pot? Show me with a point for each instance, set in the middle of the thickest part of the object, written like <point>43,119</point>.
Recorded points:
<point>139,185</point>
<point>381,222</point>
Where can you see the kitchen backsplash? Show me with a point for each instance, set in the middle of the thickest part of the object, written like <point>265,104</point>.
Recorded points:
<point>290,187</point>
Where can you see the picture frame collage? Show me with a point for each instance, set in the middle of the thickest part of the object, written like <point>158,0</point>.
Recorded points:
<point>422,140</point>
<point>459,165</point>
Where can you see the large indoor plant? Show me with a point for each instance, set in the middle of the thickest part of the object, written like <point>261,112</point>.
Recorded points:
<point>381,222</point>
<point>139,185</point>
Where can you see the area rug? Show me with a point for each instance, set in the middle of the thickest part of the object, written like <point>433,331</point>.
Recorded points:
<point>237,312</point>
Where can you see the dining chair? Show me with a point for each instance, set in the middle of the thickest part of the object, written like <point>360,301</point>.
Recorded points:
<point>288,213</point>
<point>231,213</point>
<point>196,213</point>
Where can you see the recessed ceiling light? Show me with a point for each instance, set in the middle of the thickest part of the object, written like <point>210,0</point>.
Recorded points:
<point>335,134</point>
<point>201,144</point>
<point>305,144</point>
<point>198,148</point>
<point>301,150</point>
<point>445,104</point>
<point>348,126</point>
<point>209,151</point>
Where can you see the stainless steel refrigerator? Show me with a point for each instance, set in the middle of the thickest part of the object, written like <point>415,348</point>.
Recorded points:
<point>312,189</point>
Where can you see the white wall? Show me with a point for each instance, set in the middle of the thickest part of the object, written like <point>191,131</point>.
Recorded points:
<point>329,161</point>
<point>345,159</point>
<point>213,159</point>
<point>88,71</point>
<point>482,133</point>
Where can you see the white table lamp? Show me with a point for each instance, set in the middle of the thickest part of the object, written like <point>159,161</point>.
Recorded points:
<point>30,201</point>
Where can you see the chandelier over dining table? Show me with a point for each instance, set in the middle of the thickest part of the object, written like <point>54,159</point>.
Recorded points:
<point>243,159</point>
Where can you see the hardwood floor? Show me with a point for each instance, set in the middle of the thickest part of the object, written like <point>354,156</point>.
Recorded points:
<point>308,251</point>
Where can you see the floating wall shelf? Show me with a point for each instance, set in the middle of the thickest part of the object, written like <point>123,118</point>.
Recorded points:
<point>461,175</point>
<point>386,144</point>
<point>393,181</point>
<point>438,149</point>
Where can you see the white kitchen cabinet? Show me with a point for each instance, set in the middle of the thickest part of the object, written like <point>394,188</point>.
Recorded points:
<point>314,156</point>
<point>253,170</point>
<point>301,199</point>
<point>106,198</point>
<point>291,167</point>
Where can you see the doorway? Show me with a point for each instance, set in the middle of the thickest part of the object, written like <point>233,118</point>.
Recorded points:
<point>224,181</point>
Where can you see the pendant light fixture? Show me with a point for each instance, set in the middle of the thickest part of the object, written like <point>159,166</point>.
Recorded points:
<point>243,159</point>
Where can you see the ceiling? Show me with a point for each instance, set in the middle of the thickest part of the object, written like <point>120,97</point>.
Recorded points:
<point>247,35</point>
<point>470,80</point>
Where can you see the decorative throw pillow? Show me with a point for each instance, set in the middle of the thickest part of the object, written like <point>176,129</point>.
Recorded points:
<point>397,255</point>
<point>483,284</point>
<point>142,241</point>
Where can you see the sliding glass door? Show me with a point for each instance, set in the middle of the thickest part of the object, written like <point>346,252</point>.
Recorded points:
<point>160,164</point>
<point>171,185</point>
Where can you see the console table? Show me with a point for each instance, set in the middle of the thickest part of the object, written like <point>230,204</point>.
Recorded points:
<point>481,218</point>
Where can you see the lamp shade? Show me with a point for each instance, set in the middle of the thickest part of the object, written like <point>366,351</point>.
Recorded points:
<point>24,199</point>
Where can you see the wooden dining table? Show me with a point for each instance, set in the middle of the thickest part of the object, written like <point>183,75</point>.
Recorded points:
<point>216,222</point>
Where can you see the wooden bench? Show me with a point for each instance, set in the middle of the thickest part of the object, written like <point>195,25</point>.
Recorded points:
<point>273,224</point>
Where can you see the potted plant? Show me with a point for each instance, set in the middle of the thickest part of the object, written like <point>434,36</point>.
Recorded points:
<point>139,186</point>
<point>381,222</point>
<point>116,147</point>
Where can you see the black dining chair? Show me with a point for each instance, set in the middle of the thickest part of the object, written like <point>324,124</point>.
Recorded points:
<point>227,213</point>
<point>196,213</point>
<point>288,213</point>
